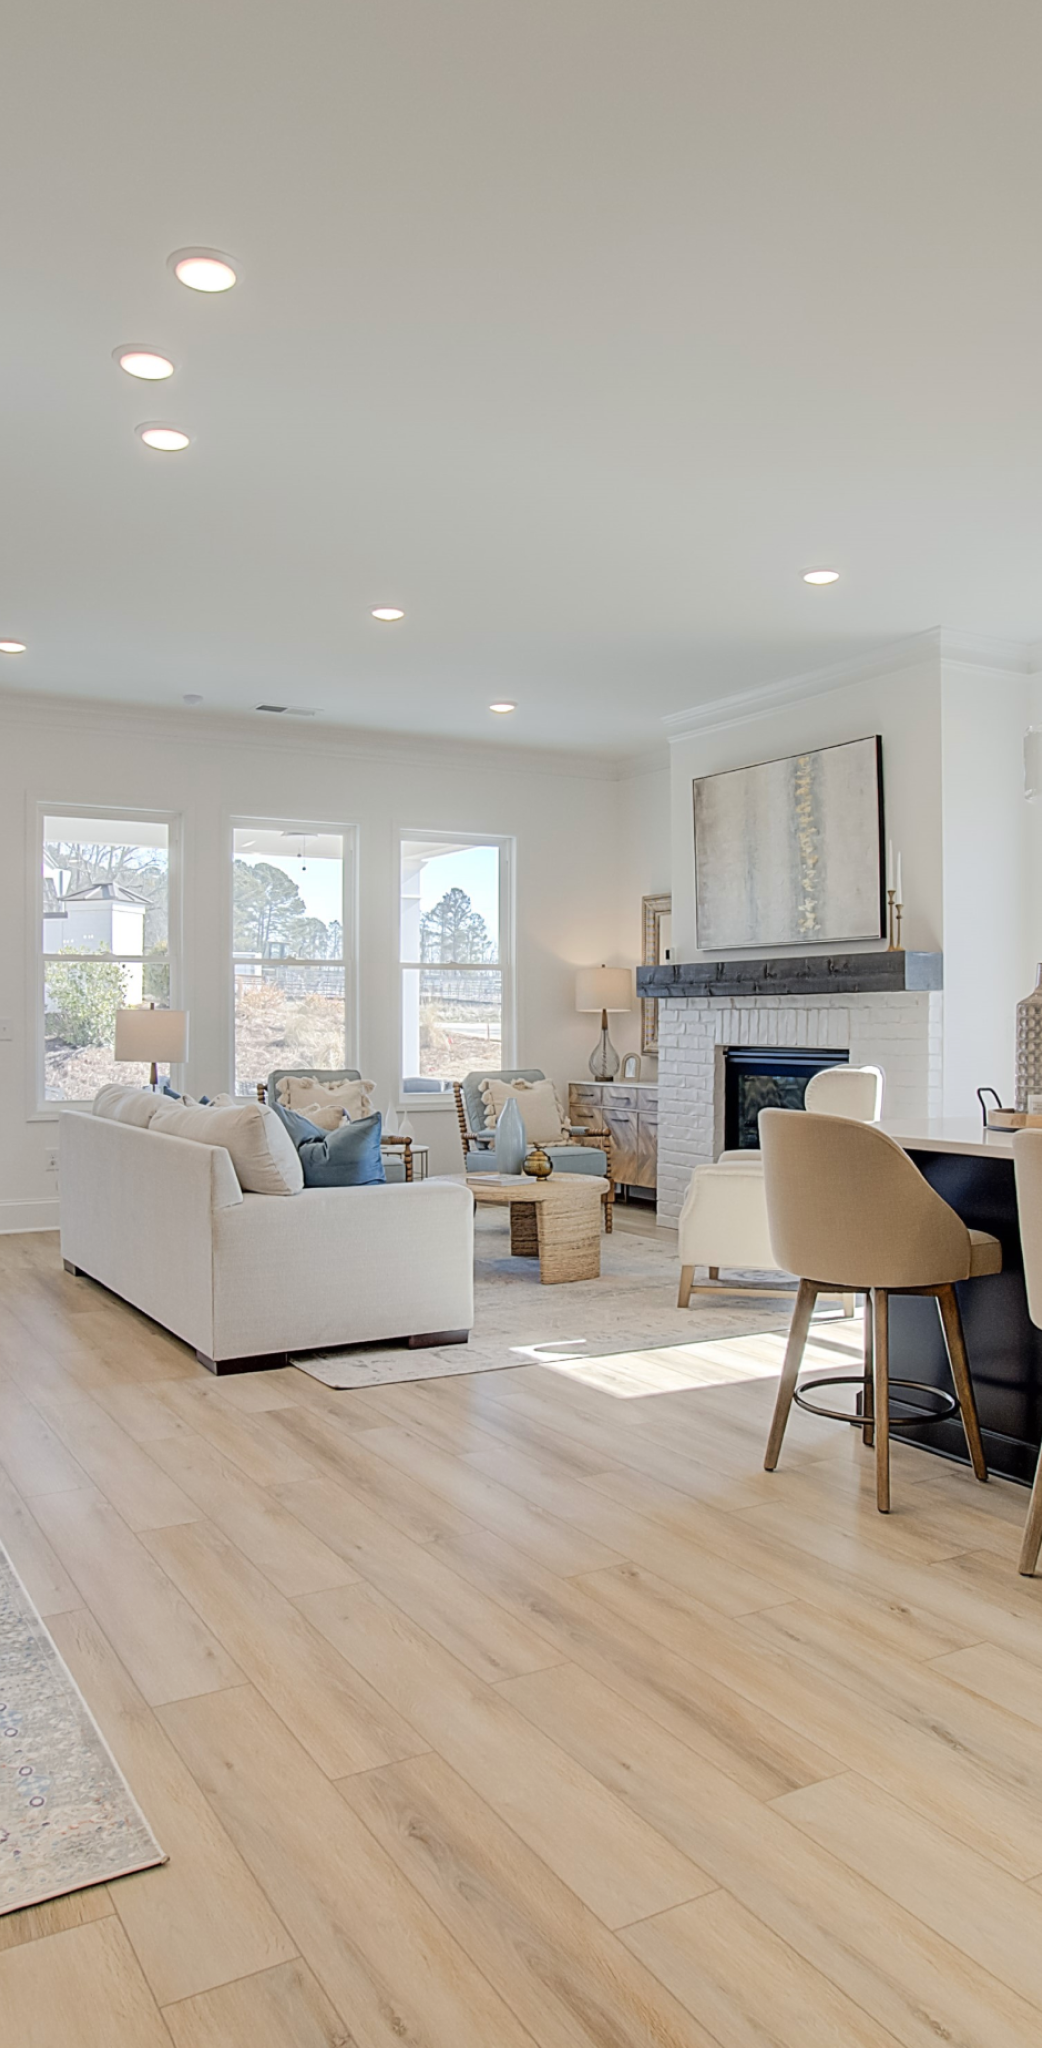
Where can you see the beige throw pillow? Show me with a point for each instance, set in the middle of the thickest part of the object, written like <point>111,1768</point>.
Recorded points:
<point>300,1092</point>
<point>262,1152</point>
<point>319,1113</point>
<point>537,1102</point>
<point>121,1105</point>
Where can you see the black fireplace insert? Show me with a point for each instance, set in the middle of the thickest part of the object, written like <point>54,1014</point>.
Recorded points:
<point>767,1077</point>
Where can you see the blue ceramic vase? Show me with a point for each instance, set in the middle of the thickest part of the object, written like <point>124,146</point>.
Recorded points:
<point>511,1143</point>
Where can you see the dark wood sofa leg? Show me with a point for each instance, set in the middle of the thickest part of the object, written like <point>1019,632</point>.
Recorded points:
<point>423,1340</point>
<point>265,1361</point>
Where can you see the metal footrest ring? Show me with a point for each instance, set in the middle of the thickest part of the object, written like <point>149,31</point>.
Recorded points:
<point>947,1404</point>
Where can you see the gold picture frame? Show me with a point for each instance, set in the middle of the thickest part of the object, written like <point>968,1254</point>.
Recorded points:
<point>656,922</point>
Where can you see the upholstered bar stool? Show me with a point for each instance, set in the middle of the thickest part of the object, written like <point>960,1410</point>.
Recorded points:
<point>848,1209</point>
<point>1027,1164</point>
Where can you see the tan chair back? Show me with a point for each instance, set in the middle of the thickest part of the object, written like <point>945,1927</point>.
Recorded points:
<point>1027,1164</point>
<point>856,1092</point>
<point>846,1207</point>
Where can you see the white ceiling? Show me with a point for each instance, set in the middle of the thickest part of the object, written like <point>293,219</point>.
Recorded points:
<point>578,328</point>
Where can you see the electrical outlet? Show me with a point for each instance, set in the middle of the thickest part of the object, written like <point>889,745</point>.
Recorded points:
<point>50,1161</point>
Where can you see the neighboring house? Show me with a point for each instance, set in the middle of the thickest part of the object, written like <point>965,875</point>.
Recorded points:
<point>103,917</point>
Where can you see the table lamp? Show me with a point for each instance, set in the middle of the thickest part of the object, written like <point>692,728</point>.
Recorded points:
<point>151,1035</point>
<point>604,988</point>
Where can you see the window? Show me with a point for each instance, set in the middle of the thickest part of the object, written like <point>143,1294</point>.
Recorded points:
<point>455,930</point>
<point>288,915</point>
<point>107,932</point>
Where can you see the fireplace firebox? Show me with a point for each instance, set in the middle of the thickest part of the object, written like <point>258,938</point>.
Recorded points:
<point>767,1077</point>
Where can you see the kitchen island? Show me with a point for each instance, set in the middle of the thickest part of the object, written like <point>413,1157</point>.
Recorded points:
<point>973,1170</point>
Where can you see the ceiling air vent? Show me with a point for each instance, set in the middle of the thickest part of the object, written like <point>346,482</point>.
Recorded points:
<point>284,711</point>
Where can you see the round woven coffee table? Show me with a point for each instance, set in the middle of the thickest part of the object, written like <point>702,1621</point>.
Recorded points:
<point>557,1220</point>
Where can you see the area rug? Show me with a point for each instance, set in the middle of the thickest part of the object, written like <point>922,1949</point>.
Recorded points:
<point>67,1815</point>
<point>518,1321</point>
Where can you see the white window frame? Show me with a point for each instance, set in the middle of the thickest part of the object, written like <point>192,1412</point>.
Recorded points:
<point>41,1110</point>
<point>506,844</point>
<point>306,828</point>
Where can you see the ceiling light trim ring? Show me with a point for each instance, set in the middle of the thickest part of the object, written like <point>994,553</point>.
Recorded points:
<point>173,447</point>
<point>145,350</point>
<point>12,646</point>
<point>218,258</point>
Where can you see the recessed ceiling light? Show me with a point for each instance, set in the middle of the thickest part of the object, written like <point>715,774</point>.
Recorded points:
<point>192,698</point>
<point>143,362</point>
<point>203,270</point>
<point>387,611</point>
<point>155,435</point>
<point>821,576</point>
<point>503,708</point>
<point>12,646</point>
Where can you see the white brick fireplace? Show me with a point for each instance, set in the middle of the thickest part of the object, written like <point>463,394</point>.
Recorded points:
<point>899,1030</point>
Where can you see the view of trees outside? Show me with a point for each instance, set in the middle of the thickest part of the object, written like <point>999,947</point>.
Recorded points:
<point>289,973</point>
<point>83,985</point>
<point>452,1010</point>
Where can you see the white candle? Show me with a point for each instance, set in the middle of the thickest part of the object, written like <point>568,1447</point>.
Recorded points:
<point>900,898</point>
<point>890,864</point>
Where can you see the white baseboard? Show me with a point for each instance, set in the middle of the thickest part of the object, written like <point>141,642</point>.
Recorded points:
<point>39,1212</point>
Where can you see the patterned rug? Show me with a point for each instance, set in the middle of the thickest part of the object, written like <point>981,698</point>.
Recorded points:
<point>67,1815</point>
<point>518,1321</point>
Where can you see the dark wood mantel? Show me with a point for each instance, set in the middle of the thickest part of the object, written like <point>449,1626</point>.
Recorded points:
<point>804,974</point>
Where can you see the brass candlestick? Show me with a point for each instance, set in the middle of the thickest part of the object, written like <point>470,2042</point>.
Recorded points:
<point>892,944</point>
<point>898,911</point>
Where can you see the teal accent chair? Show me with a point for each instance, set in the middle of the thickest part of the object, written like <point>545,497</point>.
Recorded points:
<point>396,1152</point>
<point>583,1151</point>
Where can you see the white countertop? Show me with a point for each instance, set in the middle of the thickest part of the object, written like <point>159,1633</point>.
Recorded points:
<point>949,1134</point>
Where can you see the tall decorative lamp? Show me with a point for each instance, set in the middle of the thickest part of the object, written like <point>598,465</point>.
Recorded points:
<point>604,988</point>
<point>152,1036</point>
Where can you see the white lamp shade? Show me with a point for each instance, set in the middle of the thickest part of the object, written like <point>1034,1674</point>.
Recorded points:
<point>151,1036</point>
<point>604,988</point>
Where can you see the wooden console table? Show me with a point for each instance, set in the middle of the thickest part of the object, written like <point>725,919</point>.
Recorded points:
<point>629,1111</point>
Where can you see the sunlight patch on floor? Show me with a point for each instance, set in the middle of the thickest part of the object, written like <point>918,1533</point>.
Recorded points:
<point>718,1362</point>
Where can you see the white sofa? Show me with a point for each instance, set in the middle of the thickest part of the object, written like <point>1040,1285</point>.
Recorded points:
<point>246,1279</point>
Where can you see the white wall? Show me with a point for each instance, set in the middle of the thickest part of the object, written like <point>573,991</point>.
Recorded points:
<point>575,902</point>
<point>989,933</point>
<point>644,854</point>
<point>904,706</point>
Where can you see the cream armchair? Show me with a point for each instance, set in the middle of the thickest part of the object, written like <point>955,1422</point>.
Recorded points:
<point>723,1223</point>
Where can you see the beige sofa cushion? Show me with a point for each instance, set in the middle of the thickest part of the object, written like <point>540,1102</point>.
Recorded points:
<point>537,1102</point>
<point>261,1149</point>
<point>128,1105</point>
<point>299,1092</point>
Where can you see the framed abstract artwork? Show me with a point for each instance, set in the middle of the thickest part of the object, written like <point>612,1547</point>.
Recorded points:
<point>790,852</point>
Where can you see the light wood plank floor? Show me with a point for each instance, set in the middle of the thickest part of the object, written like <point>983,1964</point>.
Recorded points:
<point>519,1711</point>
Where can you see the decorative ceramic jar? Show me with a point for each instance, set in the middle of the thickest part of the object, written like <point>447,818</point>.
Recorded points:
<point>538,1163</point>
<point>511,1144</point>
<point>1029,1045</point>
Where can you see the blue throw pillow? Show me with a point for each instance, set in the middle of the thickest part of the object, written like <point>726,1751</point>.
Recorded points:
<point>348,1157</point>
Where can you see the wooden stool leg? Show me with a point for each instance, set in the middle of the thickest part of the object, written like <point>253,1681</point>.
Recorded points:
<point>687,1274</point>
<point>1029,1549</point>
<point>849,1302</point>
<point>881,1373</point>
<point>713,1272</point>
<point>867,1403</point>
<point>794,1350</point>
<point>955,1344</point>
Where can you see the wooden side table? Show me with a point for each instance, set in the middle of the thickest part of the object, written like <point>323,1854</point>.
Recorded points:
<point>557,1221</point>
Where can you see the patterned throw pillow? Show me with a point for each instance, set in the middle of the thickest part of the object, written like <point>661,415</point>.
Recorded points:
<point>302,1092</point>
<point>537,1101</point>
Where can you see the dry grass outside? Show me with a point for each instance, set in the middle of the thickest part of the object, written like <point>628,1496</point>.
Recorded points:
<point>274,1029</point>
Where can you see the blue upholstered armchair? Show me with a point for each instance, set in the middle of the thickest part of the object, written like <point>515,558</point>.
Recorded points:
<point>582,1151</point>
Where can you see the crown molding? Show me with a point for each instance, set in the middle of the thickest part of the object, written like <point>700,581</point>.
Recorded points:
<point>745,705</point>
<point>995,657</point>
<point>110,718</point>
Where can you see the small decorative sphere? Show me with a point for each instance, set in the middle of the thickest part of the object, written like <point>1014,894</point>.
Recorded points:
<point>537,1163</point>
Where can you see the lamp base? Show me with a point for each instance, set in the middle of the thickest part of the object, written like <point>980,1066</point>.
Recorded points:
<point>604,1060</point>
